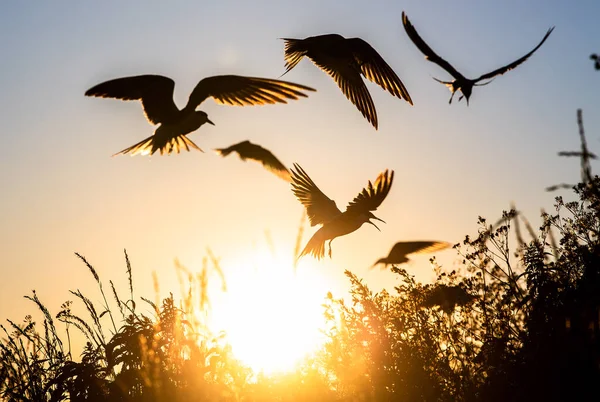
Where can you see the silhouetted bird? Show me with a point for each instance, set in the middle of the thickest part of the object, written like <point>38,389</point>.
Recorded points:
<point>322,210</point>
<point>460,83</point>
<point>156,94</point>
<point>447,297</point>
<point>345,60</point>
<point>248,150</point>
<point>398,253</point>
<point>596,61</point>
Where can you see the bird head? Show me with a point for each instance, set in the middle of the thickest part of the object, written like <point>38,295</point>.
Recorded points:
<point>466,90</point>
<point>202,117</point>
<point>369,216</point>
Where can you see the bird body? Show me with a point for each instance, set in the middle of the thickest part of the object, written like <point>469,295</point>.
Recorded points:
<point>346,60</point>
<point>335,223</point>
<point>461,83</point>
<point>398,253</point>
<point>156,94</point>
<point>248,150</point>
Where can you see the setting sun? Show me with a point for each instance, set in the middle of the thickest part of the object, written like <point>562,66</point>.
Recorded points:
<point>271,313</point>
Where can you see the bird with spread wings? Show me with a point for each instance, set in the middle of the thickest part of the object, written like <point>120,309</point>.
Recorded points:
<point>399,252</point>
<point>156,94</point>
<point>248,150</point>
<point>460,82</point>
<point>346,60</point>
<point>322,210</point>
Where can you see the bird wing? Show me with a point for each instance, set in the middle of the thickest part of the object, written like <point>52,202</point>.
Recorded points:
<point>372,196</point>
<point>319,208</point>
<point>237,90</point>
<point>515,63</point>
<point>416,247</point>
<point>347,77</point>
<point>155,92</point>
<point>374,67</point>
<point>426,50</point>
<point>248,150</point>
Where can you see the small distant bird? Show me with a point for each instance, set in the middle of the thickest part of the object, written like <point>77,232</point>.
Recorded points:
<point>345,60</point>
<point>398,253</point>
<point>248,150</point>
<point>156,94</point>
<point>596,59</point>
<point>447,297</point>
<point>460,82</point>
<point>322,210</point>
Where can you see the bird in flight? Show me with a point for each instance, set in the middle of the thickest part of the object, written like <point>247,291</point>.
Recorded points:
<point>248,150</point>
<point>460,82</point>
<point>398,253</point>
<point>345,60</point>
<point>323,210</point>
<point>156,94</point>
<point>596,59</point>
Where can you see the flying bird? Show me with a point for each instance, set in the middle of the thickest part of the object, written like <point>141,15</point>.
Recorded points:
<point>447,297</point>
<point>156,94</point>
<point>323,210</point>
<point>460,82</point>
<point>596,59</point>
<point>398,253</point>
<point>345,60</point>
<point>248,150</point>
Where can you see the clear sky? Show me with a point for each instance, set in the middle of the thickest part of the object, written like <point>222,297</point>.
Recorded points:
<point>63,192</point>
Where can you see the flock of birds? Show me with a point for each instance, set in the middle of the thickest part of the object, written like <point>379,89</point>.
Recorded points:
<point>346,60</point>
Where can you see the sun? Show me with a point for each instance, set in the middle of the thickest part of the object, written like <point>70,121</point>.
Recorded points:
<point>271,313</point>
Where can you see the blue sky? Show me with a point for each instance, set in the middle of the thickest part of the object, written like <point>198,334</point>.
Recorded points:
<point>62,192</point>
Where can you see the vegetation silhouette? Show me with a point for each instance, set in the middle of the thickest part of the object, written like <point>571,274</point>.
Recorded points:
<point>460,82</point>
<point>345,60</point>
<point>248,150</point>
<point>156,94</point>
<point>323,210</point>
<point>398,253</point>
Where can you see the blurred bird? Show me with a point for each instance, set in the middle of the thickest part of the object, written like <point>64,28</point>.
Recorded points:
<point>248,150</point>
<point>156,94</point>
<point>322,210</point>
<point>398,253</point>
<point>596,59</point>
<point>460,82</point>
<point>447,297</point>
<point>345,60</point>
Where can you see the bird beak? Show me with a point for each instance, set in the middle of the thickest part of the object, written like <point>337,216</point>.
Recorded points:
<point>210,122</point>
<point>374,225</point>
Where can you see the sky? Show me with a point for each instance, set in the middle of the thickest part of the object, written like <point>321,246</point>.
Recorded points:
<point>62,192</point>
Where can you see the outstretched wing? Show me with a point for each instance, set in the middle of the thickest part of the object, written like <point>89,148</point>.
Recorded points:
<point>248,150</point>
<point>237,90</point>
<point>347,77</point>
<point>374,67</point>
<point>371,197</point>
<point>426,50</point>
<point>155,92</point>
<point>319,208</point>
<point>515,63</point>
<point>404,248</point>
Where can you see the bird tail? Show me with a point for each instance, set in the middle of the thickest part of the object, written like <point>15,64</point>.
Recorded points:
<point>149,146</point>
<point>223,151</point>
<point>315,246</point>
<point>294,51</point>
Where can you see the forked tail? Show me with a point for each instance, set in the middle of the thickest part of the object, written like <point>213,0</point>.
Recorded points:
<point>294,51</point>
<point>149,146</point>
<point>315,246</point>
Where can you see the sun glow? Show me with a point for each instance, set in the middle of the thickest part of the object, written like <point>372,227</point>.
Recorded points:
<point>271,313</point>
